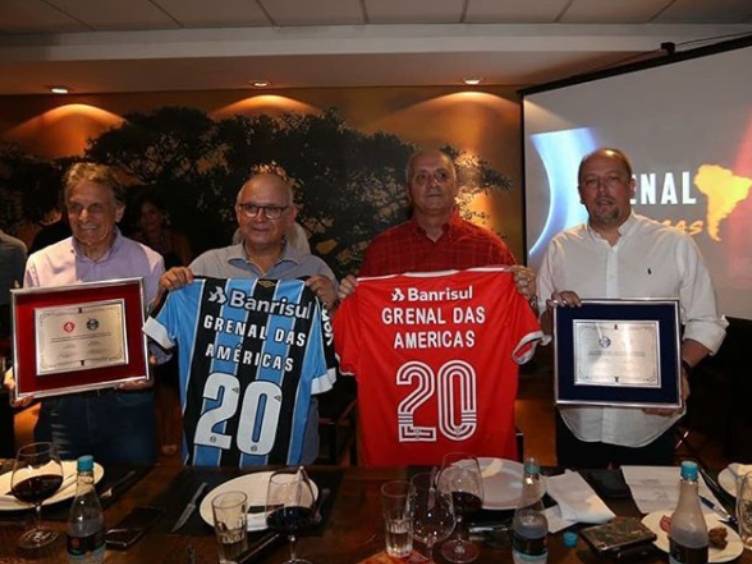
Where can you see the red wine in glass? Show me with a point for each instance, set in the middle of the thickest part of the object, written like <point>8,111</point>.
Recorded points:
<point>37,475</point>
<point>290,520</point>
<point>466,503</point>
<point>37,488</point>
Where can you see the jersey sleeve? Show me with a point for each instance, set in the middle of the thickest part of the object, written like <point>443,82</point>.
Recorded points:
<point>347,335</point>
<point>162,323</point>
<point>526,331</point>
<point>319,358</point>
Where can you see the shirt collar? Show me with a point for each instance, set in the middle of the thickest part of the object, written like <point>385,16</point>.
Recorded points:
<point>114,248</point>
<point>289,254</point>
<point>450,228</point>
<point>624,229</point>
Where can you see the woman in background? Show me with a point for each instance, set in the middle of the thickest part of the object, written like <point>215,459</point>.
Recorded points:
<point>153,229</point>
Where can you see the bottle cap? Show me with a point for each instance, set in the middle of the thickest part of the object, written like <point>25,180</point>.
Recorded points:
<point>531,466</point>
<point>689,470</point>
<point>570,539</point>
<point>85,463</point>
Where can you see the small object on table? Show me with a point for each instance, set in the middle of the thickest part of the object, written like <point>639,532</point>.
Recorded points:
<point>570,539</point>
<point>398,529</point>
<point>189,508</point>
<point>230,525</point>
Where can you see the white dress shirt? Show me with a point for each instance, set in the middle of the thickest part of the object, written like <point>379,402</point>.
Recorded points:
<point>650,260</point>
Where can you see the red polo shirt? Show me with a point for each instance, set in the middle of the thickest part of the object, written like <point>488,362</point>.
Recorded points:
<point>407,248</point>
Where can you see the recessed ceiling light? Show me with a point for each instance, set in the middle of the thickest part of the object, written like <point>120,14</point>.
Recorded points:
<point>472,81</point>
<point>260,83</point>
<point>59,89</point>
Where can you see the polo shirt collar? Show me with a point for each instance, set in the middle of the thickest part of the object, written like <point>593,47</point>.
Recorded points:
<point>289,254</point>
<point>451,228</point>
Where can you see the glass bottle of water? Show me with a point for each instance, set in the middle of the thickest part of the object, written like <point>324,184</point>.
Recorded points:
<point>688,538</point>
<point>530,525</point>
<point>85,521</point>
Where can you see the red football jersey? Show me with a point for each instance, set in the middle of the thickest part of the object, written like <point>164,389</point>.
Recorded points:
<point>435,355</point>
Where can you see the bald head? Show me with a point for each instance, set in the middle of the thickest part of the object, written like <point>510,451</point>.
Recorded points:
<point>608,153</point>
<point>269,182</point>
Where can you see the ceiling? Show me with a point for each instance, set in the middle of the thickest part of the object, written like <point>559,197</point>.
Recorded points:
<point>95,46</point>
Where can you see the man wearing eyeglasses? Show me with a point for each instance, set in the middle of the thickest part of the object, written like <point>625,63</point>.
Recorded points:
<point>619,254</point>
<point>265,211</point>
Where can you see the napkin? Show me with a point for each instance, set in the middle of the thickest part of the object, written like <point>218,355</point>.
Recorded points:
<point>740,470</point>
<point>577,500</point>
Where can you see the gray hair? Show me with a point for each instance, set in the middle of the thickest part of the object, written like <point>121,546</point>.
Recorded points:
<point>98,174</point>
<point>410,166</point>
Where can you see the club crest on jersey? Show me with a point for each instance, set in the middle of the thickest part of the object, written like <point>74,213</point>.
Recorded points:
<point>218,295</point>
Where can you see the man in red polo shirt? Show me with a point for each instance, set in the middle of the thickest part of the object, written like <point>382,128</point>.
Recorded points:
<point>436,237</point>
<point>434,355</point>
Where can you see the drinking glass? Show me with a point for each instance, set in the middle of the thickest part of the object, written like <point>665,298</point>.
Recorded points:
<point>230,511</point>
<point>744,510</point>
<point>290,506</point>
<point>397,524</point>
<point>37,475</point>
<point>460,478</point>
<point>431,510</point>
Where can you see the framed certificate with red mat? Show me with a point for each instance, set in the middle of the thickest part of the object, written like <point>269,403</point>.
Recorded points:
<point>77,338</point>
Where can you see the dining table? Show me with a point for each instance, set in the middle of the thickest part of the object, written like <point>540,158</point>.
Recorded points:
<point>351,530</point>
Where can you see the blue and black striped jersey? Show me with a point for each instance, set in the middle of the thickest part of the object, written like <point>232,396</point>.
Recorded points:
<point>251,353</point>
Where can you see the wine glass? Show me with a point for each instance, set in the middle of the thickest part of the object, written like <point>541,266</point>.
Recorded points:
<point>290,505</point>
<point>37,475</point>
<point>431,510</point>
<point>460,478</point>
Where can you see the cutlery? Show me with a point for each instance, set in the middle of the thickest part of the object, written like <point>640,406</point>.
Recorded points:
<point>262,508</point>
<point>109,492</point>
<point>189,508</point>
<point>496,526</point>
<point>720,511</point>
<point>263,543</point>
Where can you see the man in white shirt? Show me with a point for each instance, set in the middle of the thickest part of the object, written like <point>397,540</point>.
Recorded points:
<point>619,254</point>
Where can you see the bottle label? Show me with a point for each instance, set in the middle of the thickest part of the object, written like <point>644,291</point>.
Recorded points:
<point>530,547</point>
<point>685,555</point>
<point>79,546</point>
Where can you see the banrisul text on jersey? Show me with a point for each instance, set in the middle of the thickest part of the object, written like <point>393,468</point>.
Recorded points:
<point>251,353</point>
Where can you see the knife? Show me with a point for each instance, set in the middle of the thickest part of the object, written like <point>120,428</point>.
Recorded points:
<point>110,491</point>
<point>189,508</point>
<point>720,511</point>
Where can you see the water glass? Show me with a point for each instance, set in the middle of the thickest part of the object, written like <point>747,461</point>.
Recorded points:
<point>397,521</point>
<point>230,519</point>
<point>744,509</point>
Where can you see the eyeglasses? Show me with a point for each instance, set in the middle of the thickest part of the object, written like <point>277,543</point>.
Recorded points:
<point>609,181</point>
<point>270,212</point>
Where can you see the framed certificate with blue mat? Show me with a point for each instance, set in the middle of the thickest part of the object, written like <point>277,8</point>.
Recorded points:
<point>618,353</point>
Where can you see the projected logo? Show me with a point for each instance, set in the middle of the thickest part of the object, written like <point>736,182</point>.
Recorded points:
<point>561,152</point>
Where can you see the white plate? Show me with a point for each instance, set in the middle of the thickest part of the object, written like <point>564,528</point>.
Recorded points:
<point>733,549</point>
<point>9,503</point>
<point>727,481</point>
<point>254,486</point>
<point>502,482</point>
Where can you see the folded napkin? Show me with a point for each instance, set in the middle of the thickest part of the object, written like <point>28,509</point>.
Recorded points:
<point>740,470</point>
<point>577,500</point>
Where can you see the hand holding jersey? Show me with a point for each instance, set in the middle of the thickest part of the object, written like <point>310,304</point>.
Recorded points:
<point>434,355</point>
<point>251,353</point>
